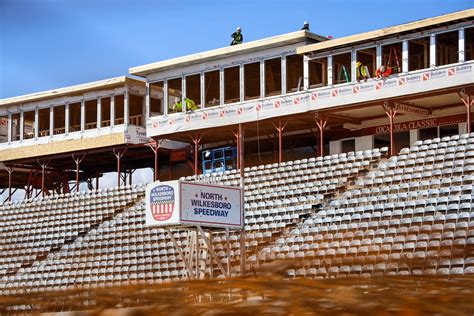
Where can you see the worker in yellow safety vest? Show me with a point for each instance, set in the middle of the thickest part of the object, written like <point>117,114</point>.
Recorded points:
<point>190,105</point>
<point>362,72</point>
<point>237,37</point>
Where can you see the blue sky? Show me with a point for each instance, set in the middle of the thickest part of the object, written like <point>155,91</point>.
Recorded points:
<point>47,44</point>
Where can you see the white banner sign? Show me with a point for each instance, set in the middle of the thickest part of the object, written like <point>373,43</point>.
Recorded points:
<point>315,100</point>
<point>162,203</point>
<point>176,203</point>
<point>211,205</point>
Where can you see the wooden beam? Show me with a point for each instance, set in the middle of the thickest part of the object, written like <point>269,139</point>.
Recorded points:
<point>371,36</point>
<point>409,108</point>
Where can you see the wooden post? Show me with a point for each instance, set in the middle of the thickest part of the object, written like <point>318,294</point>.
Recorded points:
<point>391,112</point>
<point>197,253</point>
<point>119,154</point>
<point>228,250</point>
<point>242,181</point>
<point>321,122</point>
<point>196,140</point>
<point>236,135</point>
<point>280,129</point>
<point>78,161</point>
<point>155,147</point>
<point>468,102</point>
<point>43,167</point>
<point>10,171</point>
<point>157,170</point>
<point>96,180</point>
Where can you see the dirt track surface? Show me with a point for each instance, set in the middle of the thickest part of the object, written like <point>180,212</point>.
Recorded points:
<point>262,294</point>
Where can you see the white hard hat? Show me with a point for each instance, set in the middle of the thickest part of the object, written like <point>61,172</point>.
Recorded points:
<point>306,22</point>
<point>238,28</point>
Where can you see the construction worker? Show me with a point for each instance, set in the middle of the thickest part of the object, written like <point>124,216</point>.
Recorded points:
<point>362,72</point>
<point>190,105</point>
<point>305,26</point>
<point>383,72</point>
<point>237,37</point>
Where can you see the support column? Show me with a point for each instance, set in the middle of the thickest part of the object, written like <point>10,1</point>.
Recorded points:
<point>242,83</point>
<point>10,171</point>
<point>43,167</point>
<point>262,79</point>
<point>468,101</point>
<point>280,127</point>
<point>283,74</point>
<point>305,72</point>
<point>36,123</point>
<point>378,59</point>
<point>10,128</point>
<point>130,175</point>
<point>237,145</point>
<point>391,112</point>
<point>119,154</point>
<point>99,112</point>
<point>183,95</point>
<point>165,97</point>
<point>203,91</point>
<point>353,66</point>
<point>78,161</point>
<point>196,140</point>
<point>51,121</point>
<point>197,253</point>
<point>96,180</point>
<point>432,50</point>
<point>405,56</point>
<point>66,118</point>
<point>228,250</point>
<point>146,110</point>
<point>462,47</point>
<point>221,86</point>
<point>83,115</point>
<point>112,111</point>
<point>126,108</point>
<point>22,125</point>
<point>321,122</point>
<point>155,147</point>
<point>330,79</point>
<point>242,181</point>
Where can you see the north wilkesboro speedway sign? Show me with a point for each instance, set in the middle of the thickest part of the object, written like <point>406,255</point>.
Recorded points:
<point>180,203</point>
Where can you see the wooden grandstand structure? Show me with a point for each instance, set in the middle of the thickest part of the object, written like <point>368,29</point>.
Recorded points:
<point>342,175</point>
<point>285,85</point>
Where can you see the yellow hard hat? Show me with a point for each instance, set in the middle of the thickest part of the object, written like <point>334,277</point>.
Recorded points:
<point>358,64</point>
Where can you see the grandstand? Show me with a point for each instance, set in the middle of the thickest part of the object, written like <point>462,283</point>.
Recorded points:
<point>329,186</point>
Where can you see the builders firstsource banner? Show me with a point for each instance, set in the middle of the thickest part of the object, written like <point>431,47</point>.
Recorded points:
<point>176,203</point>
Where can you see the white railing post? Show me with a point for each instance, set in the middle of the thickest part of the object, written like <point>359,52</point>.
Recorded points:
<point>432,50</point>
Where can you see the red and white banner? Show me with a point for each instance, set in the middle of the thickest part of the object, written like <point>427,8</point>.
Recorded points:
<point>318,99</point>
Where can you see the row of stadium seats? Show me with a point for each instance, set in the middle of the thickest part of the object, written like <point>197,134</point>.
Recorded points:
<point>334,216</point>
<point>121,249</point>
<point>31,229</point>
<point>378,227</point>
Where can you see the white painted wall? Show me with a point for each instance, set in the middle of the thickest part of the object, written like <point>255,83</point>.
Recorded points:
<point>414,136</point>
<point>334,147</point>
<point>364,142</point>
<point>463,128</point>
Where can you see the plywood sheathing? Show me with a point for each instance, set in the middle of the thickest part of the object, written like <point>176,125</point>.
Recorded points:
<point>71,91</point>
<point>220,53</point>
<point>389,31</point>
<point>64,146</point>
